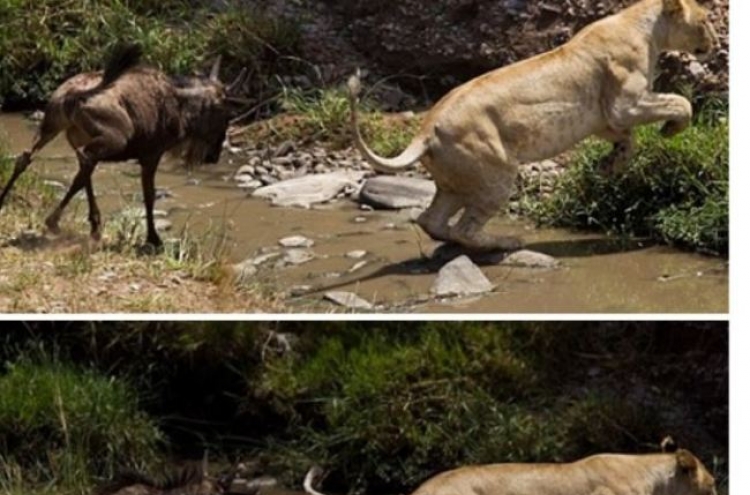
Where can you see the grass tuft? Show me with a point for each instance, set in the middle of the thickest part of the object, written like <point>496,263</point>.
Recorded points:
<point>673,190</point>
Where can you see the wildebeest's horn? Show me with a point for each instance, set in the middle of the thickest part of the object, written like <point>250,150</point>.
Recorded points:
<point>239,81</point>
<point>215,69</point>
<point>204,464</point>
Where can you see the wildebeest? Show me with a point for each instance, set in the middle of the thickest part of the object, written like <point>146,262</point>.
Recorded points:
<point>188,481</point>
<point>132,111</point>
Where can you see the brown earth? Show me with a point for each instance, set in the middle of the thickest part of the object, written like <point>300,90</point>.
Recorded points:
<point>430,47</point>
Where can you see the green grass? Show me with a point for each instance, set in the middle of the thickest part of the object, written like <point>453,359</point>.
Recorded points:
<point>64,424</point>
<point>71,36</point>
<point>388,409</point>
<point>323,115</point>
<point>673,190</point>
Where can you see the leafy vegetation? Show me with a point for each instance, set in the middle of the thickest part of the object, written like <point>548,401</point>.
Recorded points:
<point>323,115</point>
<point>71,36</point>
<point>64,424</point>
<point>673,190</point>
<point>385,405</point>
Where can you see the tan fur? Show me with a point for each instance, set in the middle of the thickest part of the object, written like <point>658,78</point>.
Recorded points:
<point>603,474</point>
<point>599,83</point>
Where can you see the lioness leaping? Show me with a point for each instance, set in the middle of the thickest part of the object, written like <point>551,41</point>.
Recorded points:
<point>599,83</point>
<point>678,473</point>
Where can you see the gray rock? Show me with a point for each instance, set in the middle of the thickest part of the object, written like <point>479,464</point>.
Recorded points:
<point>244,271</point>
<point>356,254</point>
<point>244,173</point>
<point>296,241</point>
<point>250,184</point>
<point>259,260</point>
<point>162,224</point>
<point>310,189</point>
<point>394,192</point>
<point>356,266</point>
<point>55,184</point>
<point>530,259</point>
<point>460,277</point>
<point>284,148</point>
<point>296,256</point>
<point>348,300</point>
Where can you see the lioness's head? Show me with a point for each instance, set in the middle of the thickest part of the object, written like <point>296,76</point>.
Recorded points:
<point>688,28</point>
<point>691,475</point>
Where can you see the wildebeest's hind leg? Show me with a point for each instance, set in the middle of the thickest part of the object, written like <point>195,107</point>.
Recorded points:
<point>46,133</point>
<point>82,179</point>
<point>148,173</point>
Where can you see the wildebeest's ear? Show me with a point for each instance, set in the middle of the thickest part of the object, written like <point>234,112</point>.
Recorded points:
<point>668,445</point>
<point>686,461</point>
<point>673,6</point>
<point>215,70</point>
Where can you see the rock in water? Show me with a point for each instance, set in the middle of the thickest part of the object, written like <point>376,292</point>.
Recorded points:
<point>460,277</point>
<point>296,241</point>
<point>530,259</point>
<point>395,192</point>
<point>309,189</point>
<point>348,300</point>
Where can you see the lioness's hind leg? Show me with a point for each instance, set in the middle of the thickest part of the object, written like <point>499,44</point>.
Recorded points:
<point>434,220</point>
<point>622,152</point>
<point>469,232</point>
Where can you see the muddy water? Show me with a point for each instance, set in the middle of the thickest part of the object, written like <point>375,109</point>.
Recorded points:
<point>599,274</point>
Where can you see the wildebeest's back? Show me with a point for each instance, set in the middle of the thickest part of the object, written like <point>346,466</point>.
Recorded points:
<point>141,104</point>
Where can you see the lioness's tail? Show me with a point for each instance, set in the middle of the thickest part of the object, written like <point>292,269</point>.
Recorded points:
<point>409,156</point>
<point>311,478</point>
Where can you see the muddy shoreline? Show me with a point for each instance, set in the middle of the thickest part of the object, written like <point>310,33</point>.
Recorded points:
<point>380,255</point>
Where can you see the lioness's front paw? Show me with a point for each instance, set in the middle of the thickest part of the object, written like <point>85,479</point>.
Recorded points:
<point>673,127</point>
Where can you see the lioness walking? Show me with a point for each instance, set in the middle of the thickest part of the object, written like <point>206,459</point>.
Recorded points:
<point>677,473</point>
<point>598,83</point>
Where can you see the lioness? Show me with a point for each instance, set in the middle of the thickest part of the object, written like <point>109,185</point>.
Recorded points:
<point>598,83</point>
<point>678,473</point>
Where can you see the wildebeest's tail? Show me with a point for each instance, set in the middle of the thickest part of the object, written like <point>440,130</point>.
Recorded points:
<point>123,58</point>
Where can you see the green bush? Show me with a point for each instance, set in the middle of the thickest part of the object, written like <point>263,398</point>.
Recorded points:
<point>387,409</point>
<point>71,36</point>
<point>62,423</point>
<point>324,115</point>
<point>673,190</point>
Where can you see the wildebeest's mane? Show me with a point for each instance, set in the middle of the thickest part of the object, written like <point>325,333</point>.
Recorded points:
<point>189,81</point>
<point>177,479</point>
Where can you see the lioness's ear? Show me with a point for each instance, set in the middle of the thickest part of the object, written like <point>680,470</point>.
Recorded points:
<point>673,6</point>
<point>668,445</point>
<point>686,461</point>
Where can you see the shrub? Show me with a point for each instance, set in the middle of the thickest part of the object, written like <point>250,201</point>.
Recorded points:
<point>387,409</point>
<point>71,36</point>
<point>72,421</point>
<point>673,190</point>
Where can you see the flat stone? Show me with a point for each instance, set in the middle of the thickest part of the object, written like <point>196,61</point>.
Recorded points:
<point>297,256</point>
<point>530,259</point>
<point>296,241</point>
<point>309,189</point>
<point>356,266</point>
<point>244,271</point>
<point>348,300</point>
<point>162,224</point>
<point>259,260</point>
<point>460,277</point>
<point>356,254</point>
<point>395,192</point>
